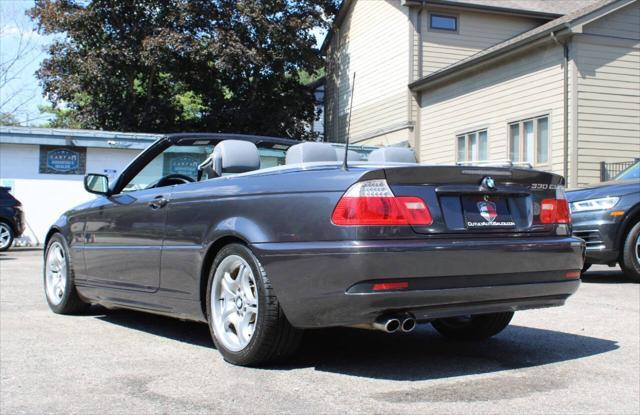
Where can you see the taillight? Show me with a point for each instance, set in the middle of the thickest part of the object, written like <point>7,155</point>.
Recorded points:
<point>371,203</point>
<point>555,210</point>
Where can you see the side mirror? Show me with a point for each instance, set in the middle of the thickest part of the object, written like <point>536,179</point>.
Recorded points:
<point>96,183</point>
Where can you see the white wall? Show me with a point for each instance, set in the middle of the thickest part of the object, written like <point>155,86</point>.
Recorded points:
<point>521,87</point>
<point>476,31</point>
<point>373,42</point>
<point>46,196</point>
<point>608,89</point>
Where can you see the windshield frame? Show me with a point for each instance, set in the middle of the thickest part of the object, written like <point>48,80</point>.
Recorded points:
<point>183,139</point>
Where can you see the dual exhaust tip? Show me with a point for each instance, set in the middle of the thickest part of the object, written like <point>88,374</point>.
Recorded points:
<point>395,323</point>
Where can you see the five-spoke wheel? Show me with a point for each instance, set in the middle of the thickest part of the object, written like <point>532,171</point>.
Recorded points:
<point>235,302</point>
<point>246,321</point>
<point>55,273</point>
<point>59,287</point>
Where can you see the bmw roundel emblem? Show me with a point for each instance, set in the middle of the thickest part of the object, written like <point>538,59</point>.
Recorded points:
<point>489,183</point>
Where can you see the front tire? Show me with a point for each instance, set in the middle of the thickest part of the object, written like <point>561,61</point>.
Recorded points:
<point>6,236</point>
<point>59,278</point>
<point>477,327</point>
<point>246,321</point>
<point>630,258</point>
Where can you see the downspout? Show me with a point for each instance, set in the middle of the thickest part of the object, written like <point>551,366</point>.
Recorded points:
<point>417,96</point>
<point>565,48</point>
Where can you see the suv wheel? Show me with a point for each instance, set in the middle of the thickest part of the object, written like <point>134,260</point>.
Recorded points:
<point>6,236</point>
<point>477,327</point>
<point>246,321</point>
<point>630,255</point>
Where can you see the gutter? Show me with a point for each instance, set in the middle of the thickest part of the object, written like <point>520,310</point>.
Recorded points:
<point>565,49</point>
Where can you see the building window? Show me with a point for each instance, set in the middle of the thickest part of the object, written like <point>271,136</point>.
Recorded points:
<point>443,22</point>
<point>529,141</point>
<point>472,146</point>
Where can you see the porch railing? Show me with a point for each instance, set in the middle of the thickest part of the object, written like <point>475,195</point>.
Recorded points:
<point>609,171</point>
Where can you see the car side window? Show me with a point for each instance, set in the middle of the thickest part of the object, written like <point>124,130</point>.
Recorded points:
<point>176,160</point>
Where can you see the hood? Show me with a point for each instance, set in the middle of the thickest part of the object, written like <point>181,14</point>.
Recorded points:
<point>605,189</point>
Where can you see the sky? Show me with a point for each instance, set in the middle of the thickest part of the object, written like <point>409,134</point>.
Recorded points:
<point>23,92</point>
<point>17,32</point>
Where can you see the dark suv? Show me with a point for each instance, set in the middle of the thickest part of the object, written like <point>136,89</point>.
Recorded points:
<point>11,218</point>
<point>607,217</point>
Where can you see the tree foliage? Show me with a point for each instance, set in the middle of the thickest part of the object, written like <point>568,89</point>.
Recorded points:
<point>183,65</point>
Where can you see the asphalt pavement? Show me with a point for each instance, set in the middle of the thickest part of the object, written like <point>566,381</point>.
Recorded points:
<point>580,358</point>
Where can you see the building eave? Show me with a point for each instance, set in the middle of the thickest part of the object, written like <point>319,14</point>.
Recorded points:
<point>482,7</point>
<point>346,5</point>
<point>561,30</point>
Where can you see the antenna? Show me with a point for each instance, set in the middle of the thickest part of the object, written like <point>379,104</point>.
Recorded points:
<point>346,144</point>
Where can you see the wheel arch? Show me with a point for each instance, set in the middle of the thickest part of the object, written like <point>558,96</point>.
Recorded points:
<point>210,255</point>
<point>52,231</point>
<point>631,219</point>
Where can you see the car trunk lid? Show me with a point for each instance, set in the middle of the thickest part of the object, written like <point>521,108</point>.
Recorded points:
<point>478,200</point>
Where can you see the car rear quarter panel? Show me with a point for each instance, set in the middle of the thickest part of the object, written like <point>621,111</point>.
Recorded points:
<point>292,206</point>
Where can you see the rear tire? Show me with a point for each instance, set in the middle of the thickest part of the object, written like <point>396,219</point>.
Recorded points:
<point>477,327</point>
<point>6,236</point>
<point>630,256</point>
<point>245,318</point>
<point>585,268</point>
<point>59,278</point>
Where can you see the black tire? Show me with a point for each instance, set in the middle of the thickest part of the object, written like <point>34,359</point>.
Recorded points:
<point>477,327</point>
<point>274,338</point>
<point>70,303</point>
<point>585,268</point>
<point>6,230</point>
<point>629,255</point>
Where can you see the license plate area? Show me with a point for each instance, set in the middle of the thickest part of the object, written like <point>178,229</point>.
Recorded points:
<point>486,212</point>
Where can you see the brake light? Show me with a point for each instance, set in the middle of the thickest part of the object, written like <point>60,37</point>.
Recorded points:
<point>555,210</point>
<point>371,203</point>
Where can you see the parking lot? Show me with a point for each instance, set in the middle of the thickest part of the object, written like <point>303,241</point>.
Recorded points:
<point>581,358</point>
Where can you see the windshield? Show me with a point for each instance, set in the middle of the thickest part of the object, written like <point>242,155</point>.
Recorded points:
<point>632,172</point>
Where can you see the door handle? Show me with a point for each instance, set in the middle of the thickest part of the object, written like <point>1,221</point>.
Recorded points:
<point>158,203</point>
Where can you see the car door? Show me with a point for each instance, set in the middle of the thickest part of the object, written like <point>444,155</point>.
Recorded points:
<point>123,239</point>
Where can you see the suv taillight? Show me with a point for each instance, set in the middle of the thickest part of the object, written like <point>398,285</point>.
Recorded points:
<point>372,203</point>
<point>555,210</point>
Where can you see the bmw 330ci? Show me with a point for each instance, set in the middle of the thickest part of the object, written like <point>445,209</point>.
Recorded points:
<point>210,227</point>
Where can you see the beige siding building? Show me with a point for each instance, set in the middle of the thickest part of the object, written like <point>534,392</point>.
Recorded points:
<point>552,83</point>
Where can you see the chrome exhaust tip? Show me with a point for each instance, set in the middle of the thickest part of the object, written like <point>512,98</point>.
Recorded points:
<point>387,324</point>
<point>408,323</point>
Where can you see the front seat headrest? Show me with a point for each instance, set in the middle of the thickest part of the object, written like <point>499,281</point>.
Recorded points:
<point>351,155</point>
<point>392,155</point>
<point>310,152</point>
<point>231,156</point>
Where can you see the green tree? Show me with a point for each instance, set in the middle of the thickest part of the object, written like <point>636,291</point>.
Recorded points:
<point>8,119</point>
<point>176,65</point>
<point>62,117</point>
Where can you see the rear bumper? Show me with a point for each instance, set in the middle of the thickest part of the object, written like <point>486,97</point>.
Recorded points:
<point>322,284</point>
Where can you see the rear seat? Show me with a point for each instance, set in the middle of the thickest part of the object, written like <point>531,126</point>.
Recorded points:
<point>310,153</point>
<point>392,155</point>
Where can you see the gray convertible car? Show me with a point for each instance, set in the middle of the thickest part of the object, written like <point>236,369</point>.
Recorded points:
<point>265,237</point>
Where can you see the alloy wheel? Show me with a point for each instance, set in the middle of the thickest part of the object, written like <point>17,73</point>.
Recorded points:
<point>55,273</point>
<point>5,235</point>
<point>234,303</point>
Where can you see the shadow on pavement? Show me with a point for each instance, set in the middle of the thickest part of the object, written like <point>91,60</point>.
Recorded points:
<point>184,331</point>
<point>606,276</point>
<point>420,355</point>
